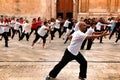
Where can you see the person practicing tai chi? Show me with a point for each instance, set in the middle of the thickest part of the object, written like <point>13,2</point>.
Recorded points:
<point>72,53</point>
<point>42,33</point>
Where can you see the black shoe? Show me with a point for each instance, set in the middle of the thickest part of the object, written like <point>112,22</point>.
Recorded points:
<point>6,46</point>
<point>27,39</point>
<point>87,49</point>
<point>49,78</point>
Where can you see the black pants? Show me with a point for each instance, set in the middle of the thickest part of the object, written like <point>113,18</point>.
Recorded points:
<point>59,31</point>
<point>37,38</point>
<point>118,37</point>
<point>5,35</point>
<point>32,31</point>
<point>24,34</point>
<point>64,30</point>
<point>52,34</point>
<point>21,28</point>
<point>83,44</point>
<point>89,44</point>
<point>66,59</point>
<point>14,32</point>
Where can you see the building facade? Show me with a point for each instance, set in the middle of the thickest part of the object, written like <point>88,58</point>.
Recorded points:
<point>65,8</point>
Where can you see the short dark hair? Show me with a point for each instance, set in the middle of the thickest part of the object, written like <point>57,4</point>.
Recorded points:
<point>45,22</point>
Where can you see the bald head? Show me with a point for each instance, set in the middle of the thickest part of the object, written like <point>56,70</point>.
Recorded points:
<point>82,26</point>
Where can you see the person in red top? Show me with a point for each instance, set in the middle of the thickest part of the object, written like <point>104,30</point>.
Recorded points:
<point>33,27</point>
<point>39,22</point>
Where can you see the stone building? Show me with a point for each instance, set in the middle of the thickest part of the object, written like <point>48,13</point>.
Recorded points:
<point>64,8</point>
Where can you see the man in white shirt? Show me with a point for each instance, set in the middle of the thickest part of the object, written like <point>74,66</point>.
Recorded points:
<point>90,31</point>
<point>58,26</point>
<point>41,33</point>
<point>72,53</point>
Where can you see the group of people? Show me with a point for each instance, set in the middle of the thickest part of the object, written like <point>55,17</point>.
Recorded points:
<point>9,27</point>
<point>41,28</point>
<point>78,32</point>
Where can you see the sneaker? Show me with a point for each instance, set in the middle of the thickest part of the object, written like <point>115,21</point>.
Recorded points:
<point>81,78</point>
<point>31,47</point>
<point>115,43</point>
<point>49,78</point>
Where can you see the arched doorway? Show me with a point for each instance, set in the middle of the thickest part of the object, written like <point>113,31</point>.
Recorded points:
<point>65,8</point>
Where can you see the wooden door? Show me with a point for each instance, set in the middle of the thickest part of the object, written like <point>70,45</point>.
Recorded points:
<point>65,8</point>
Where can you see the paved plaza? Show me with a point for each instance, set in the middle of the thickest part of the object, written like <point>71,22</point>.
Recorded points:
<point>20,62</point>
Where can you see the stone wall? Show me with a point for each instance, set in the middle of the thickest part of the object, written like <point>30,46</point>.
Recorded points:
<point>26,8</point>
<point>99,8</point>
<point>47,8</point>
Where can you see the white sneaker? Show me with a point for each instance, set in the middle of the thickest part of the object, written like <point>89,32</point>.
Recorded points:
<point>49,78</point>
<point>115,43</point>
<point>31,47</point>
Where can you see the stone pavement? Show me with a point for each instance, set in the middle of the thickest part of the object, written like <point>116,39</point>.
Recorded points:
<point>20,62</point>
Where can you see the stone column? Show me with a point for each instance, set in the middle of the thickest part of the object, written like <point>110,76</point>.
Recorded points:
<point>75,6</point>
<point>113,6</point>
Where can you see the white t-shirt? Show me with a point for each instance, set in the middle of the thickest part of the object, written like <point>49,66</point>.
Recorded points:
<point>1,28</point>
<point>98,26</point>
<point>52,25</point>
<point>77,26</point>
<point>90,31</point>
<point>77,39</point>
<point>17,25</point>
<point>26,27</point>
<point>41,31</point>
<point>6,29</point>
<point>57,24</point>
<point>66,24</point>
<point>12,23</point>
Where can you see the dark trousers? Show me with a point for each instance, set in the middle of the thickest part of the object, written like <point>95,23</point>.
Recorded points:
<point>59,31</point>
<point>5,35</point>
<point>21,28</point>
<point>83,44</point>
<point>37,38</point>
<point>32,31</point>
<point>89,44</point>
<point>66,59</point>
<point>64,30</point>
<point>14,32</point>
<point>118,37</point>
<point>52,34</point>
<point>24,34</point>
<point>101,39</point>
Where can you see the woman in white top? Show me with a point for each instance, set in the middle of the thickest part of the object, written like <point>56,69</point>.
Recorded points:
<point>72,53</point>
<point>4,29</point>
<point>25,30</point>
<point>65,25</point>
<point>52,25</point>
<point>12,24</point>
<point>16,29</point>
<point>41,33</point>
<point>58,26</point>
